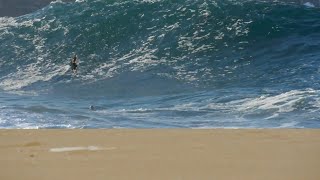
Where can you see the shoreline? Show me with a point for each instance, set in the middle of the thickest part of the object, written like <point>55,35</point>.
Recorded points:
<point>160,154</point>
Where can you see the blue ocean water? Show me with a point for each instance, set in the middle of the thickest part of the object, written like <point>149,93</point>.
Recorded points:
<point>161,64</point>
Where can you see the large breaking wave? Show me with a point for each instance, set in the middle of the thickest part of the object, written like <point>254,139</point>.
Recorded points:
<point>162,47</point>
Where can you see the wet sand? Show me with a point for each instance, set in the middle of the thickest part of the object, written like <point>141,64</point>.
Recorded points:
<point>160,154</point>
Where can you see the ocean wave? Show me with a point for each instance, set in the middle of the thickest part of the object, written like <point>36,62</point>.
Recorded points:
<point>194,63</point>
<point>201,43</point>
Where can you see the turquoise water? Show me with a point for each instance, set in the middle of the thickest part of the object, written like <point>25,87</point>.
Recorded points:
<point>161,64</point>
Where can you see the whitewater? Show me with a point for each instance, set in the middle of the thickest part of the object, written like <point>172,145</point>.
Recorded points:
<point>161,64</point>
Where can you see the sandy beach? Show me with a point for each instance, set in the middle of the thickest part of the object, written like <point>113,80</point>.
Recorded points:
<point>159,154</point>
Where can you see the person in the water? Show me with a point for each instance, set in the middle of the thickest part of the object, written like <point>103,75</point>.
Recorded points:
<point>74,66</point>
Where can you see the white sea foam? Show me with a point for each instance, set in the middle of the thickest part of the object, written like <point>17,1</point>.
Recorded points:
<point>29,75</point>
<point>148,1</point>
<point>284,102</point>
<point>218,127</point>
<point>309,4</point>
<point>269,106</point>
<point>288,125</point>
<point>88,148</point>
<point>57,1</point>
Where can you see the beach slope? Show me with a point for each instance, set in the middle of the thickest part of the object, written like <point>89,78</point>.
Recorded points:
<point>159,154</point>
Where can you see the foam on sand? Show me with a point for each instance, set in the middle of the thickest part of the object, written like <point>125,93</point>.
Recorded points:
<point>89,148</point>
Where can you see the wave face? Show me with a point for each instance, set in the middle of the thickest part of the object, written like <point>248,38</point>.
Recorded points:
<point>184,63</point>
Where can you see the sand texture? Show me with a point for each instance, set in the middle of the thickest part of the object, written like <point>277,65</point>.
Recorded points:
<point>148,154</point>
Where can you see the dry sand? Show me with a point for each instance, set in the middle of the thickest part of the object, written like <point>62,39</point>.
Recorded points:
<point>159,154</point>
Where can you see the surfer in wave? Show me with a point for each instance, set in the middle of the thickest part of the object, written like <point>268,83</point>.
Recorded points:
<point>74,66</point>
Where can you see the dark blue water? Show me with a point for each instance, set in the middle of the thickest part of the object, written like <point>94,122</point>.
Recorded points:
<point>161,64</point>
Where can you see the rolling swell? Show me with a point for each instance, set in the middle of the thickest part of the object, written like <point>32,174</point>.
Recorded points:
<point>161,63</point>
<point>161,46</point>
